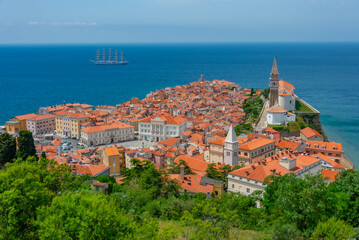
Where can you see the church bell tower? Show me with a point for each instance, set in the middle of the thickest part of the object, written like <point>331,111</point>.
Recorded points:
<point>274,85</point>
<point>231,156</point>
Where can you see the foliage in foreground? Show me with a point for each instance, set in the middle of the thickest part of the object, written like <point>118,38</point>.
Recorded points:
<point>42,200</point>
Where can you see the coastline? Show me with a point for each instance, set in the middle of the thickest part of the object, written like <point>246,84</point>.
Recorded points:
<point>346,159</point>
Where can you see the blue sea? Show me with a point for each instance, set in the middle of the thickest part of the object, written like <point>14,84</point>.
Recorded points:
<point>326,75</point>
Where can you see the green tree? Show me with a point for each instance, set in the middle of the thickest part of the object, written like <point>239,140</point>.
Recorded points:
<point>84,215</point>
<point>347,188</point>
<point>285,232</point>
<point>26,146</point>
<point>176,168</point>
<point>266,93</point>
<point>24,187</point>
<point>252,92</point>
<point>218,173</point>
<point>22,191</point>
<point>205,222</point>
<point>333,229</point>
<point>303,202</point>
<point>43,155</point>
<point>7,148</point>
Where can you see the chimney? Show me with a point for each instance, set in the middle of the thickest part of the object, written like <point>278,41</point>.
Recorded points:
<point>288,163</point>
<point>182,172</point>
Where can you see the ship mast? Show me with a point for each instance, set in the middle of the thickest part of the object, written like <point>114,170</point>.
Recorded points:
<point>104,55</point>
<point>116,59</point>
<point>109,54</point>
<point>121,56</point>
<point>98,55</point>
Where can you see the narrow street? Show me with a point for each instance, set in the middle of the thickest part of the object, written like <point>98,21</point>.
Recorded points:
<point>262,123</point>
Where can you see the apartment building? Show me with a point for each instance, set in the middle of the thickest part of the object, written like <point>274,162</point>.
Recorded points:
<point>69,123</point>
<point>41,124</point>
<point>107,134</point>
<point>256,150</point>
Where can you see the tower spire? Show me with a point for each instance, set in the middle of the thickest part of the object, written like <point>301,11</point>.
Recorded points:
<point>274,67</point>
<point>231,136</point>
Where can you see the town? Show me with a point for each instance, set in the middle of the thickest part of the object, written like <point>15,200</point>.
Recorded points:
<point>199,126</point>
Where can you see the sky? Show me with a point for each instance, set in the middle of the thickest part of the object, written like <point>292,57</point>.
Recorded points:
<point>149,21</point>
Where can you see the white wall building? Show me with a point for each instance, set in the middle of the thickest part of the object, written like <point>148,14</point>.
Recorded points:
<point>277,115</point>
<point>41,124</point>
<point>160,127</point>
<point>286,97</point>
<point>107,134</point>
<point>250,178</point>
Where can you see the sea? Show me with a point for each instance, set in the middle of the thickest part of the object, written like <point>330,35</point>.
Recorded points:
<point>326,75</point>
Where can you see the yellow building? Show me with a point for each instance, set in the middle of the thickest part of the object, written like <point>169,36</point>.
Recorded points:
<point>18,123</point>
<point>69,124</point>
<point>114,157</point>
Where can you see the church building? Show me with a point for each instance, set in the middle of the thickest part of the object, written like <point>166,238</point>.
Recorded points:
<point>281,93</point>
<point>281,99</point>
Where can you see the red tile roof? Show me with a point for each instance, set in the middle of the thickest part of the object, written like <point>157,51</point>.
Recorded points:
<point>310,132</point>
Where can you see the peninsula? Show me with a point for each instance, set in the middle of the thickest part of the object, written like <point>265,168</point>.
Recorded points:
<point>209,160</point>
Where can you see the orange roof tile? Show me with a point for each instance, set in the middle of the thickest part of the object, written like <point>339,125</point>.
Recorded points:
<point>26,116</point>
<point>329,174</point>
<point>112,151</point>
<point>256,143</point>
<point>310,132</point>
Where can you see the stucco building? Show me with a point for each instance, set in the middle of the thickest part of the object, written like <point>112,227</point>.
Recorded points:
<point>69,123</point>
<point>114,157</point>
<point>277,115</point>
<point>256,150</point>
<point>107,134</point>
<point>250,178</point>
<point>161,127</point>
<point>41,124</point>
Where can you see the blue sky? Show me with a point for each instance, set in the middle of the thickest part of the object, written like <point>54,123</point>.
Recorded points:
<point>137,21</point>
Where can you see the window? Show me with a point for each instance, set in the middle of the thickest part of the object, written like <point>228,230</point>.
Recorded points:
<point>248,190</point>
<point>228,154</point>
<point>232,185</point>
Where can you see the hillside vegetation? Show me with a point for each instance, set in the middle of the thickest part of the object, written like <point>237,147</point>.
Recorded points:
<point>42,200</point>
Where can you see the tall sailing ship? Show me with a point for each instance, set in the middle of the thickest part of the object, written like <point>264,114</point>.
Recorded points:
<point>109,60</point>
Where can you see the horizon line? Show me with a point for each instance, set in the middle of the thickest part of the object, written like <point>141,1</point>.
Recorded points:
<point>169,43</point>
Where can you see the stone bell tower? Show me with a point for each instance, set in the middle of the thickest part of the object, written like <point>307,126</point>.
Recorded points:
<point>273,85</point>
<point>231,156</point>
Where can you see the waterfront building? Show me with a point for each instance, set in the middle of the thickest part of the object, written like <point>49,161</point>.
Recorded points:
<point>332,150</point>
<point>69,123</point>
<point>161,127</point>
<point>18,123</point>
<point>114,157</point>
<point>311,134</point>
<point>277,115</point>
<point>107,134</point>
<point>41,124</point>
<point>250,178</point>
<point>105,108</point>
<point>256,150</point>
